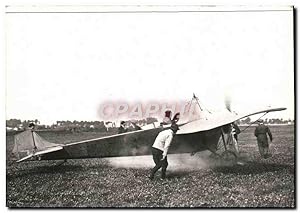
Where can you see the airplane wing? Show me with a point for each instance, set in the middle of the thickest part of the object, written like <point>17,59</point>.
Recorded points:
<point>126,144</point>
<point>218,119</point>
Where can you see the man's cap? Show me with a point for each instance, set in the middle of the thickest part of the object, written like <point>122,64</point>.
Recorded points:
<point>168,112</point>
<point>260,121</point>
<point>174,127</point>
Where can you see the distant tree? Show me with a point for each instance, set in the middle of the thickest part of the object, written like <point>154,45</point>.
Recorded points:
<point>36,121</point>
<point>13,123</point>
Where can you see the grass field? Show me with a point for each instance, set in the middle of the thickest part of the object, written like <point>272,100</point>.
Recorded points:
<point>192,181</point>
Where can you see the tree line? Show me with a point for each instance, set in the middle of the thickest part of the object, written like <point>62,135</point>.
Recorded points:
<point>77,126</point>
<point>248,121</point>
<point>74,126</point>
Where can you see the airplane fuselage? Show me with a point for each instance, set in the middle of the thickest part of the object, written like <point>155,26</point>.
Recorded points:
<point>135,144</point>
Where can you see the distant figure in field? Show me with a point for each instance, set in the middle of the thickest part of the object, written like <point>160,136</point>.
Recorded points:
<point>109,125</point>
<point>167,119</point>
<point>261,132</point>
<point>122,128</point>
<point>31,126</point>
<point>160,149</point>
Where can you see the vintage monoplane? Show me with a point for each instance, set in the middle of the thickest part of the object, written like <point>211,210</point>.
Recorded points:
<point>200,134</point>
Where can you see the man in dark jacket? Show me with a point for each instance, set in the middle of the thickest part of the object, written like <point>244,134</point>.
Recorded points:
<point>261,132</point>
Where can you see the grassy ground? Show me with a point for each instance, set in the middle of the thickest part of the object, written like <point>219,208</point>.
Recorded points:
<point>192,181</point>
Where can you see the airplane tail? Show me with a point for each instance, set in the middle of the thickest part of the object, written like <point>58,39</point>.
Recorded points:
<point>28,143</point>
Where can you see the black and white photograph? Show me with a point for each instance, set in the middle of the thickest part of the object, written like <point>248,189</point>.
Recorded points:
<point>144,106</point>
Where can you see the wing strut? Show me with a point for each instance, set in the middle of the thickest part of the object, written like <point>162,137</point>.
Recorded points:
<point>254,122</point>
<point>34,145</point>
<point>223,139</point>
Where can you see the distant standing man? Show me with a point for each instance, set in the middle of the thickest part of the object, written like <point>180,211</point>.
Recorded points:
<point>122,128</point>
<point>261,132</point>
<point>160,149</point>
<point>31,126</point>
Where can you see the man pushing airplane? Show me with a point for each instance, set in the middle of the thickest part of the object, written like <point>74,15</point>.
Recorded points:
<point>160,149</point>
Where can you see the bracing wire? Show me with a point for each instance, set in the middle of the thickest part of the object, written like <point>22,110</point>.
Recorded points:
<point>254,122</point>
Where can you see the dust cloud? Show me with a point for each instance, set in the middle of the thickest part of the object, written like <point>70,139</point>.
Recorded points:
<point>177,162</point>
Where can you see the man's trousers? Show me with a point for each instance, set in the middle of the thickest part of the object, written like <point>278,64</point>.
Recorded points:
<point>163,164</point>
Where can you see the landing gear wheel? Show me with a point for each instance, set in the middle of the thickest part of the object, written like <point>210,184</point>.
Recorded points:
<point>229,158</point>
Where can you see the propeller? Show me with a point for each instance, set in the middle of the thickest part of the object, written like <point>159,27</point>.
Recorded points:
<point>228,103</point>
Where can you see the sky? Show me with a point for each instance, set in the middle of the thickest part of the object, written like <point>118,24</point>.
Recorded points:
<point>64,66</point>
